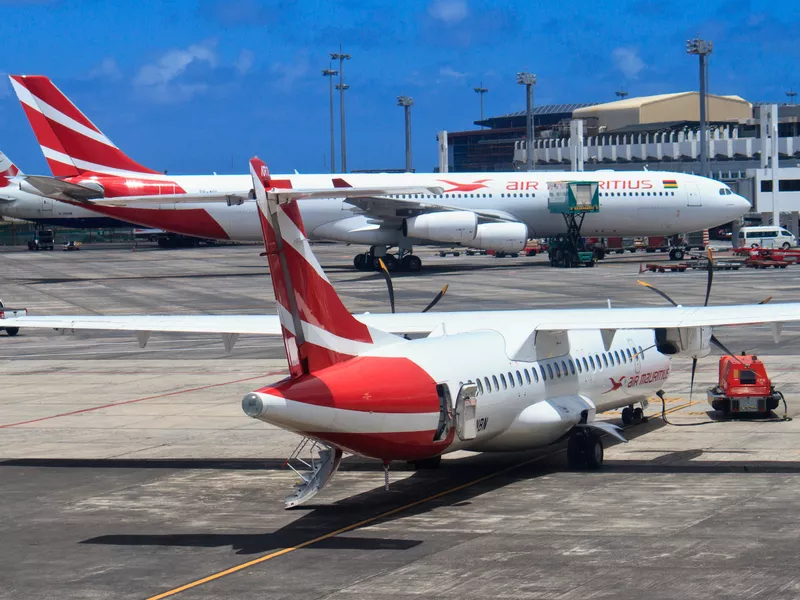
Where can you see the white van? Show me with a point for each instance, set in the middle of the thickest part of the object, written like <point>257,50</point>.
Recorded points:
<point>766,237</point>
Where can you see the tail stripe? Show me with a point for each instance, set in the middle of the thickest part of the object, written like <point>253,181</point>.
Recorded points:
<point>86,166</point>
<point>36,88</point>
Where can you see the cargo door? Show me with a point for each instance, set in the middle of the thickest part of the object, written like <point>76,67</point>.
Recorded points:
<point>693,197</point>
<point>47,206</point>
<point>466,406</point>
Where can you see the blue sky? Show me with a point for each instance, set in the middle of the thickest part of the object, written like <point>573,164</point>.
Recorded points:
<point>200,86</point>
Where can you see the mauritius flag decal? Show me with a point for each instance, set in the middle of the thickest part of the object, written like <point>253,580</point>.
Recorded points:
<point>670,184</point>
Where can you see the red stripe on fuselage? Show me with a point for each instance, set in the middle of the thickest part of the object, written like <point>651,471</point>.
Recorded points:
<point>373,384</point>
<point>45,90</point>
<point>406,445</point>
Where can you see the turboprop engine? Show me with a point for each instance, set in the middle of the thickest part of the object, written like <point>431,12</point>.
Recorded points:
<point>684,341</point>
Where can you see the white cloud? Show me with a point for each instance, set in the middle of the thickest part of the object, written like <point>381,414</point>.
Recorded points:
<point>245,61</point>
<point>175,62</point>
<point>289,73</point>
<point>107,69</point>
<point>451,73</point>
<point>449,11</point>
<point>628,61</point>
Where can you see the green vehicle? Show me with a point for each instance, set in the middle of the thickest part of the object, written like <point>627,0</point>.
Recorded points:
<point>567,254</point>
<point>573,200</point>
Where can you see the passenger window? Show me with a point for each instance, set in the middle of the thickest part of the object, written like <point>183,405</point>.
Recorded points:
<point>578,362</point>
<point>519,378</point>
<point>641,352</point>
<point>486,384</point>
<point>591,360</point>
<point>616,356</point>
<point>564,368</point>
<point>605,361</point>
<point>527,377</point>
<point>479,384</point>
<point>503,381</point>
<point>585,365</point>
<point>494,380</point>
<point>550,371</point>
<point>571,366</point>
<point>510,379</point>
<point>630,356</point>
<point>544,375</point>
<point>610,358</point>
<point>597,360</point>
<point>624,360</point>
<point>535,374</point>
<point>558,371</point>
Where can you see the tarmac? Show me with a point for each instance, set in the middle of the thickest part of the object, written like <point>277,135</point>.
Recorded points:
<point>133,473</point>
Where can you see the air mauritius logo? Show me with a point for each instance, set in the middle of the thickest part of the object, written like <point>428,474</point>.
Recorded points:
<point>465,187</point>
<point>670,184</point>
<point>615,385</point>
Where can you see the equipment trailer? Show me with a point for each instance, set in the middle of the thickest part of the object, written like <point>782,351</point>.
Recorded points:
<point>744,387</point>
<point>574,200</point>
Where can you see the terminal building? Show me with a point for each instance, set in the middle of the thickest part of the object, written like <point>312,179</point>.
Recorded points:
<point>652,132</point>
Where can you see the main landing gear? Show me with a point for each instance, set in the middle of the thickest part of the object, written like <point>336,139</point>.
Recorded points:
<point>585,450</point>
<point>632,415</point>
<point>402,261</point>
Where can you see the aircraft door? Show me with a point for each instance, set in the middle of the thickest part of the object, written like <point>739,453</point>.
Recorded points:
<point>637,357</point>
<point>693,197</point>
<point>466,406</point>
<point>445,413</point>
<point>47,205</point>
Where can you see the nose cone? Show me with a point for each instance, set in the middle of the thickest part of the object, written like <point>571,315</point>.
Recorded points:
<point>729,207</point>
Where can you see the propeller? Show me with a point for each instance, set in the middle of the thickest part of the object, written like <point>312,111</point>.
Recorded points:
<point>714,340</point>
<point>390,288</point>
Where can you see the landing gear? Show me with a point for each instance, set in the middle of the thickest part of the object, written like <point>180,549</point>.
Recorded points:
<point>632,415</point>
<point>402,261</point>
<point>585,450</point>
<point>676,254</point>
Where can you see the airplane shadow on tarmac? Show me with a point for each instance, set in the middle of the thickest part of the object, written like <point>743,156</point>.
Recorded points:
<point>452,485</point>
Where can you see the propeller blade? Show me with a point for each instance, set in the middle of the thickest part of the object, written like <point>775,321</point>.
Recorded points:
<point>765,300</point>
<point>389,285</point>
<point>657,291</point>
<point>436,299</point>
<point>714,340</point>
<point>691,381</point>
<point>710,276</point>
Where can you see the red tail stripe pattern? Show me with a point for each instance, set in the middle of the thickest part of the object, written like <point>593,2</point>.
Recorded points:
<point>47,138</point>
<point>45,90</point>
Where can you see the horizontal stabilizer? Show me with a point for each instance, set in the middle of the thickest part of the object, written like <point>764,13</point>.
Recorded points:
<point>58,189</point>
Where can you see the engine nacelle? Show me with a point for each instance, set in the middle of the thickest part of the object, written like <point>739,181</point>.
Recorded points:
<point>455,227</point>
<point>684,341</point>
<point>503,237</point>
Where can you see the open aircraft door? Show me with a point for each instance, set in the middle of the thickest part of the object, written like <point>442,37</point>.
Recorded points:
<point>466,406</point>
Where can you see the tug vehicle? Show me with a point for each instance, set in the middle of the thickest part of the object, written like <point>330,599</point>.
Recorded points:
<point>744,387</point>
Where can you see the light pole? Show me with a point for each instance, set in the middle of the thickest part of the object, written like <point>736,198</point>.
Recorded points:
<point>528,80</point>
<point>702,49</point>
<point>406,102</point>
<point>329,73</point>
<point>342,87</point>
<point>480,90</point>
<point>792,94</point>
<point>621,94</point>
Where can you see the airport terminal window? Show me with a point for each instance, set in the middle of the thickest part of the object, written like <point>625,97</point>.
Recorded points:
<point>527,377</point>
<point>550,371</point>
<point>503,381</point>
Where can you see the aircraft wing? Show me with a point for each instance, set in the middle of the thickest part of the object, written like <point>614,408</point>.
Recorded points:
<point>400,208</point>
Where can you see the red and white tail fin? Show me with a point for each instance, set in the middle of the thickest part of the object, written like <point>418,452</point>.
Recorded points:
<point>318,330</point>
<point>7,169</point>
<point>70,142</point>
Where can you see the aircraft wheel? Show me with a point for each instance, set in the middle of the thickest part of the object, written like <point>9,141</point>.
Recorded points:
<point>678,254</point>
<point>627,415</point>
<point>360,262</point>
<point>390,261</point>
<point>12,331</point>
<point>593,452</point>
<point>411,262</point>
<point>585,450</point>
<point>638,414</point>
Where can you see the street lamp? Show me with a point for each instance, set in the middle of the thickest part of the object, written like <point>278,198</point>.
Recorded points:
<point>329,73</point>
<point>702,49</point>
<point>792,94</point>
<point>406,102</point>
<point>480,90</point>
<point>528,80</point>
<point>342,87</point>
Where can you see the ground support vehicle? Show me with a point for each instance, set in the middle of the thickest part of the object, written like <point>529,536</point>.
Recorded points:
<point>744,387</point>
<point>42,240</point>
<point>10,313</point>
<point>573,200</point>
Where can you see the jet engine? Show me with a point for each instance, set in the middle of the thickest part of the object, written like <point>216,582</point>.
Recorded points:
<point>684,341</point>
<point>455,227</point>
<point>502,237</point>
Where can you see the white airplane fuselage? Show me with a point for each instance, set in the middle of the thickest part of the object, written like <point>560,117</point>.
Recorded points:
<point>631,203</point>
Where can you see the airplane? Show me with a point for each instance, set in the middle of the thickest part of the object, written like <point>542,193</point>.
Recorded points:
<point>415,386</point>
<point>492,211</point>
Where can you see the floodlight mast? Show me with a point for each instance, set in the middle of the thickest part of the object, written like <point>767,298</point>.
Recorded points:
<point>528,80</point>
<point>406,102</point>
<point>702,48</point>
